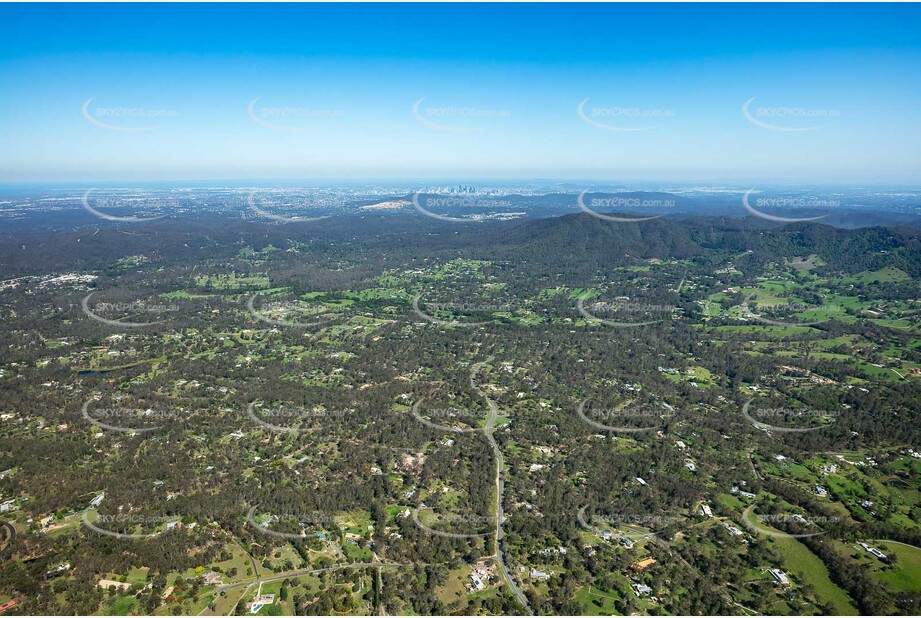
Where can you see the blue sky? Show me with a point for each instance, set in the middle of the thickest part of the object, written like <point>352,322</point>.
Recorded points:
<point>183,92</point>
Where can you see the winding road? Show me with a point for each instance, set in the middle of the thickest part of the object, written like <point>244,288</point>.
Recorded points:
<point>499,556</point>
<point>9,535</point>
<point>500,485</point>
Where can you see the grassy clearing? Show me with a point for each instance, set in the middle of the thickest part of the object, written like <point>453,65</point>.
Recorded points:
<point>594,602</point>
<point>907,574</point>
<point>810,569</point>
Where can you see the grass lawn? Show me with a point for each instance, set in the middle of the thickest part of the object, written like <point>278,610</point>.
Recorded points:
<point>884,275</point>
<point>121,606</point>
<point>595,602</point>
<point>454,589</point>
<point>807,567</point>
<point>907,574</point>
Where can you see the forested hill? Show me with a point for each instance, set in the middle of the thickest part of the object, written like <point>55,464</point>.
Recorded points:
<point>569,239</point>
<point>581,237</point>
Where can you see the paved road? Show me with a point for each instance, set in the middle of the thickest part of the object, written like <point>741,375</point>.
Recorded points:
<point>10,533</point>
<point>500,486</point>
<point>896,542</point>
<point>751,460</point>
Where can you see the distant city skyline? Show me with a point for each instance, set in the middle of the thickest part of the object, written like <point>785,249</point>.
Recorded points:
<point>614,93</point>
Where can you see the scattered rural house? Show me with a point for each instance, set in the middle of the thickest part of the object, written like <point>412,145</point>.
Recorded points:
<point>733,530</point>
<point>747,494</point>
<point>706,510</point>
<point>627,542</point>
<point>641,590</point>
<point>641,481</point>
<point>105,584</point>
<point>260,601</point>
<point>874,551</point>
<point>212,579</point>
<point>780,577</point>
<point>538,574</point>
<point>607,535</point>
<point>477,583</point>
<point>483,571</point>
<point>9,605</point>
<point>61,568</point>
<point>820,491</point>
<point>98,500</point>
